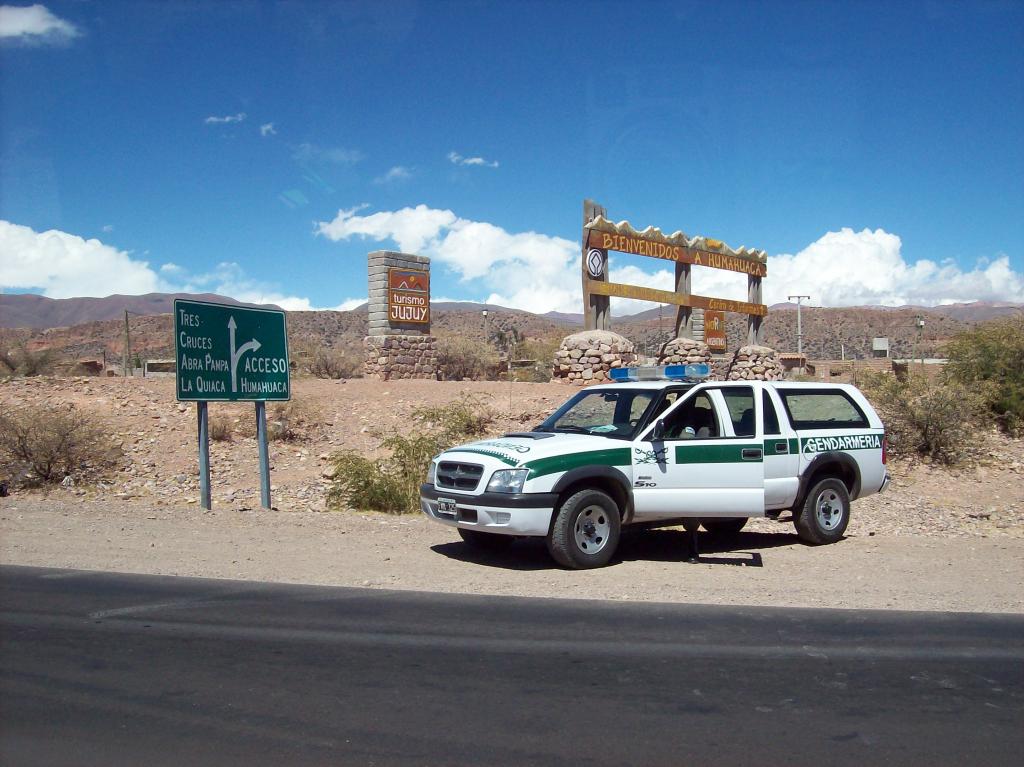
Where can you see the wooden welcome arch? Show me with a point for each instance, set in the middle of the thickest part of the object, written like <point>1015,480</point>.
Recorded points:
<point>601,235</point>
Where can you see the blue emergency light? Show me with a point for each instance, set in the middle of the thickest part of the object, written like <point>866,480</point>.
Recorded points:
<point>692,372</point>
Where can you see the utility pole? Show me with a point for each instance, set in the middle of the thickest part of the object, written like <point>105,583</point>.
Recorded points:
<point>485,325</point>
<point>799,329</point>
<point>127,344</point>
<point>919,324</point>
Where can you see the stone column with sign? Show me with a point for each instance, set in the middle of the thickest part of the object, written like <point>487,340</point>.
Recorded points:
<point>399,343</point>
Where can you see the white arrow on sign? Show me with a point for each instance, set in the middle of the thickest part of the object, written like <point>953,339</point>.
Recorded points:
<point>249,346</point>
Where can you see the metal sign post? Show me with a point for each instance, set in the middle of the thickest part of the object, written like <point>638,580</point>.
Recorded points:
<point>230,354</point>
<point>261,439</point>
<point>202,415</point>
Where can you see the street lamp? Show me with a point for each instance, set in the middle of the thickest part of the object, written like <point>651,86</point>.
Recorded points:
<point>799,330</point>
<point>484,313</point>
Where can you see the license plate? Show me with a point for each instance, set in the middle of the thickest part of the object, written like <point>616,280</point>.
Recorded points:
<point>446,505</point>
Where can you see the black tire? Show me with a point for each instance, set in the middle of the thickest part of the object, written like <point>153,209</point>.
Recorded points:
<point>724,525</point>
<point>824,514</point>
<point>482,541</point>
<point>585,531</point>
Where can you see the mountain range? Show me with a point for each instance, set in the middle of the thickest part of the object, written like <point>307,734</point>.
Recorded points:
<point>28,310</point>
<point>93,328</point>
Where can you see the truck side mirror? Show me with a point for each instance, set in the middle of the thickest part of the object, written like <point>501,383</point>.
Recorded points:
<point>659,431</point>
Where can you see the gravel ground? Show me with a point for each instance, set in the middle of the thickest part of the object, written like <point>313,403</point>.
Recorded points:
<point>938,540</point>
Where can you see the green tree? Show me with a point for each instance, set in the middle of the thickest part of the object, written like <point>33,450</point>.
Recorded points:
<point>990,358</point>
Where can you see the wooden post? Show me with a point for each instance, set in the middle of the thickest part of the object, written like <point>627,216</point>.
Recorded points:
<point>596,309</point>
<point>755,331</point>
<point>684,314</point>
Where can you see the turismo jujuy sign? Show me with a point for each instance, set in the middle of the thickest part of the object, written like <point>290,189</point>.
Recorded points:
<point>409,296</point>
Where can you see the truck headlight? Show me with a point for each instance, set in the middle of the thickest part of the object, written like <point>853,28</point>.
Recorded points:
<point>508,481</point>
<point>432,472</point>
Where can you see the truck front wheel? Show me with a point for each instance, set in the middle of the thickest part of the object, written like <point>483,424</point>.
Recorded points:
<point>585,531</point>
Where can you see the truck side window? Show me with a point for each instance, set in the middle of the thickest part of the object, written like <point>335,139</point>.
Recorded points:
<point>771,415</point>
<point>693,420</point>
<point>822,409</point>
<point>740,400</point>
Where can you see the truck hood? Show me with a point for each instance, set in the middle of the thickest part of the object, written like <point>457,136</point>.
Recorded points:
<point>516,451</point>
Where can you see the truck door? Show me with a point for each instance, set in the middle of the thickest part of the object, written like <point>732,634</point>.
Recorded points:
<point>709,461</point>
<point>781,454</point>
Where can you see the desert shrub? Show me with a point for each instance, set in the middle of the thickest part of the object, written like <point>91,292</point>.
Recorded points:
<point>221,428</point>
<point>542,352</point>
<point>43,444</point>
<point>291,421</point>
<point>22,361</point>
<point>924,416</point>
<point>989,358</point>
<point>463,358</point>
<point>346,362</point>
<point>391,483</point>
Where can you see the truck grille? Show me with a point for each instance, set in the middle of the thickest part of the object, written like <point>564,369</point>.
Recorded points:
<point>458,476</point>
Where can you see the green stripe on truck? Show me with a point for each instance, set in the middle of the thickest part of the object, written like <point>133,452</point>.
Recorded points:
<point>716,453</point>
<point>618,456</point>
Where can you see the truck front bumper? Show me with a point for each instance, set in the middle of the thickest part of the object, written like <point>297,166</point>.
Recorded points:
<point>503,513</point>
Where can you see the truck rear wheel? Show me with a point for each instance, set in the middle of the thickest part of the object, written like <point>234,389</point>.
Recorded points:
<point>585,531</point>
<point>825,512</point>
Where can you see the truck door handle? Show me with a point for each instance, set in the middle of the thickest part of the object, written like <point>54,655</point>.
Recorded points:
<point>751,454</point>
<point>781,447</point>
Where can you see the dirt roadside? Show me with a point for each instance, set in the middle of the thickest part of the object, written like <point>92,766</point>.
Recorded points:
<point>379,551</point>
<point>937,541</point>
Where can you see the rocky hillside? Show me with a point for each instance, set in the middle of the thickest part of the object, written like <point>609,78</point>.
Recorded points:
<point>828,333</point>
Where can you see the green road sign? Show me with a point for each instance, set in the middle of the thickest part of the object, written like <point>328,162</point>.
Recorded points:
<point>230,353</point>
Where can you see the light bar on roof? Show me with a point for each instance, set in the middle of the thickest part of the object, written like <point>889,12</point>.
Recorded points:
<point>692,372</point>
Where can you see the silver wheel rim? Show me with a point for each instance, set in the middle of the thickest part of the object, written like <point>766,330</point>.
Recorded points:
<point>828,508</point>
<point>591,530</point>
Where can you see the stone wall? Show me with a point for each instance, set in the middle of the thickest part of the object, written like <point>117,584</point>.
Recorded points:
<point>757,363</point>
<point>587,357</point>
<point>395,356</point>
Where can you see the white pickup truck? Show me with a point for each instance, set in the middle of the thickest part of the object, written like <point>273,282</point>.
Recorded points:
<point>667,450</point>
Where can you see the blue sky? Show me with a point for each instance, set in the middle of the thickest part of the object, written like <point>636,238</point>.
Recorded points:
<point>876,151</point>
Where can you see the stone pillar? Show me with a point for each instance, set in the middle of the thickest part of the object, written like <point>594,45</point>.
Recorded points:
<point>587,357</point>
<point>754,363</point>
<point>399,344</point>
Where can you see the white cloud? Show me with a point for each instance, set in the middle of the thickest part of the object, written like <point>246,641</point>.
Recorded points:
<point>35,25</point>
<point>228,278</point>
<point>268,129</point>
<point>848,268</point>
<point>543,270</point>
<point>350,304</point>
<point>541,273</point>
<point>411,228</point>
<point>394,175</point>
<point>457,159</point>
<point>108,228</point>
<point>227,119</point>
<point>64,265</point>
<point>307,152</point>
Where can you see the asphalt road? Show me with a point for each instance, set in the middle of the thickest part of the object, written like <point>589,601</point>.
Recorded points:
<point>109,669</point>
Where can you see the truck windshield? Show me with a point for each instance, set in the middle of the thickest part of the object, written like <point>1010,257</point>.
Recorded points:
<point>604,413</point>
